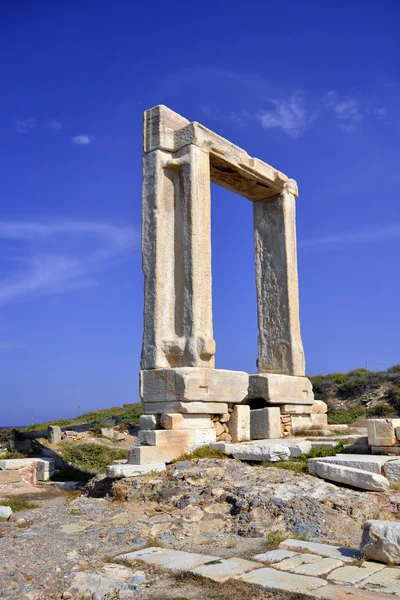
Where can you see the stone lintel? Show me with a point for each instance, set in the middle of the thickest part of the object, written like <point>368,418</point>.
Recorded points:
<point>193,384</point>
<point>160,437</point>
<point>230,166</point>
<point>194,408</point>
<point>281,389</point>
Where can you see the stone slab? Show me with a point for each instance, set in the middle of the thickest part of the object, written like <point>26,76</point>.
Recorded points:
<point>181,421</point>
<point>44,466</point>
<point>386,450</point>
<point>300,422</point>
<point>340,592</point>
<point>271,453</point>
<point>281,389</point>
<point>265,423</point>
<point>149,421</point>
<point>365,462</point>
<point>193,384</point>
<point>175,560</point>
<point>309,564</point>
<point>353,573</point>
<point>387,580</point>
<point>295,409</point>
<point>364,480</point>
<point>226,568</point>
<point>197,408</point>
<point>319,420</point>
<point>274,556</point>
<point>319,407</point>
<point>160,437</point>
<point>151,455</point>
<point>339,552</point>
<point>272,580</point>
<point>126,470</point>
<point>382,432</point>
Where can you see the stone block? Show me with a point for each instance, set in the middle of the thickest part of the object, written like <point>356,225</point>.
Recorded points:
<point>373,464</point>
<point>274,580</point>
<point>295,409</point>
<point>174,560</point>
<point>387,581</point>
<point>6,511</point>
<point>381,541</point>
<point>354,573</point>
<point>391,469</point>
<point>265,423</point>
<point>54,434</point>
<point>184,437</point>
<point>299,448</point>
<point>118,471</point>
<point>225,569</point>
<point>319,407</point>
<point>319,419</point>
<point>239,423</point>
<point>382,432</point>
<point>10,477</point>
<point>195,408</point>
<point>193,384</point>
<point>281,389</point>
<point>344,554</point>
<point>149,421</point>
<point>271,452</point>
<point>181,421</point>
<point>345,592</point>
<point>274,556</point>
<point>301,422</point>
<point>147,455</point>
<point>309,564</point>
<point>350,476</point>
<point>386,450</point>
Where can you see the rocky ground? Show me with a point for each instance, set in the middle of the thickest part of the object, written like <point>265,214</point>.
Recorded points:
<point>211,506</point>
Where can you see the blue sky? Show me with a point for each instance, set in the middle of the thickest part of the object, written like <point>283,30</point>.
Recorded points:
<point>312,88</point>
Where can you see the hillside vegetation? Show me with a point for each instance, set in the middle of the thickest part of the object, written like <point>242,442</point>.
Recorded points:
<point>359,394</point>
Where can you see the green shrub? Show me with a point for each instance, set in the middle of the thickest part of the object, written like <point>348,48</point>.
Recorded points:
<point>394,369</point>
<point>345,416</point>
<point>300,464</point>
<point>202,452</point>
<point>91,458</point>
<point>358,373</point>
<point>18,503</point>
<point>380,410</point>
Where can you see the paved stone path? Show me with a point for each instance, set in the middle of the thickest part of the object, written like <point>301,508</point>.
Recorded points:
<point>314,573</point>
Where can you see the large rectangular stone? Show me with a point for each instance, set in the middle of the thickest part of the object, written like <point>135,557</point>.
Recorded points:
<point>341,592</point>
<point>319,420</point>
<point>8,477</point>
<point>339,552</point>
<point>174,560</point>
<point>239,423</point>
<point>391,469</point>
<point>295,409</point>
<point>224,569</point>
<point>308,564</point>
<point>373,464</point>
<point>178,421</point>
<point>161,437</point>
<point>300,422</point>
<point>149,455</point>
<point>126,470</point>
<point>387,580</point>
<point>354,573</point>
<point>277,580</point>
<point>281,389</point>
<point>191,384</point>
<point>195,408</point>
<point>382,432</point>
<point>364,480</point>
<point>44,466</point>
<point>265,423</point>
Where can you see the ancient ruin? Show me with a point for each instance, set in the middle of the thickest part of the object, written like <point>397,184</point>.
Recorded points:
<point>187,401</point>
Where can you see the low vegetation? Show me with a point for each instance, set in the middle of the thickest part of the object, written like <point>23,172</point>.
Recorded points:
<point>203,452</point>
<point>90,458</point>
<point>300,464</point>
<point>18,503</point>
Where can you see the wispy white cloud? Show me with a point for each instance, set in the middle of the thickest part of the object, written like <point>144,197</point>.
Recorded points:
<point>359,236</point>
<point>83,140</point>
<point>26,125</point>
<point>55,125</point>
<point>60,256</point>
<point>289,114</point>
<point>350,111</point>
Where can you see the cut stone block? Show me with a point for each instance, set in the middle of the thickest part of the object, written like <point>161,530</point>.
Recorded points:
<point>239,423</point>
<point>281,389</point>
<point>382,432</point>
<point>277,580</point>
<point>387,580</point>
<point>181,421</point>
<point>321,420</point>
<point>364,462</point>
<point>150,455</point>
<point>301,422</point>
<point>54,434</point>
<point>343,554</point>
<point>127,470</point>
<point>265,423</point>
<point>391,470</point>
<point>381,541</point>
<point>354,573</point>
<point>149,421</point>
<point>350,476</point>
<point>225,569</point>
<point>341,592</point>
<point>271,453</point>
<point>195,408</point>
<point>299,448</point>
<point>161,437</point>
<point>319,407</point>
<point>274,556</point>
<point>295,409</point>
<point>386,450</point>
<point>6,511</point>
<point>10,477</point>
<point>175,560</point>
<point>44,466</point>
<point>193,384</point>
<point>308,564</point>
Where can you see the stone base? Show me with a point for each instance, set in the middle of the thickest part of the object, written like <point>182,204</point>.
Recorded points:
<point>281,389</point>
<point>301,422</point>
<point>147,455</point>
<point>193,384</point>
<point>320,420</point>
<point>183,437</point>
<point>239,423</point>
<point>265,423</point>
<point>127,470</point>
<point>382,432</point>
